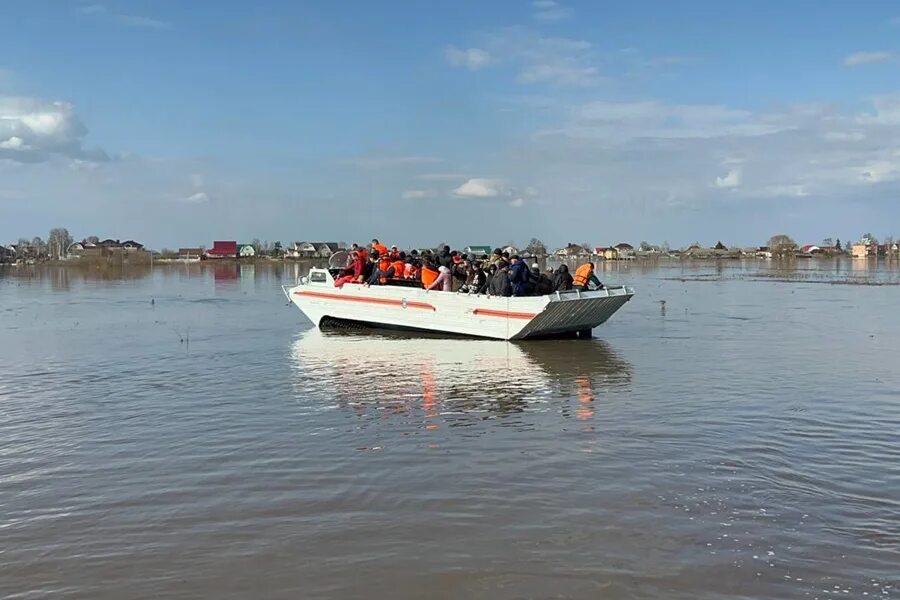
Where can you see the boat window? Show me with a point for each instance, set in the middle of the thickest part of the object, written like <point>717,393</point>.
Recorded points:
<point>317,277</point>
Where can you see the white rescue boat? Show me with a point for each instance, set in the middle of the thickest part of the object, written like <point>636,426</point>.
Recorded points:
<point>411,308</point>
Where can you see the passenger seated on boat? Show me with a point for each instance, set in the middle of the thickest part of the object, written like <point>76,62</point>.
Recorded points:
<point>353,273</point>
<point>562,280</point>
<point>411,270</point>
<point>399,265</point>
<point>443,257</point>
<point>363,253</point>
<point>378,247</point>
<point>443,281</point>
<point>495,258</point>
<point>518,276</point>
<point>476,279</point>
<point>459,271</point>
<point>500,284</point>
<point>543,284</point>
<point>585,277</point>
<point>383,271</point>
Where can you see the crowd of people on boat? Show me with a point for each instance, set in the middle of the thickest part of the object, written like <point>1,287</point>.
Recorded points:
<point>497,274</point>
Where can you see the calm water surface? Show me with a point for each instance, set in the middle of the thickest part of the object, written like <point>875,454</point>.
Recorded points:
<point>181,433</point>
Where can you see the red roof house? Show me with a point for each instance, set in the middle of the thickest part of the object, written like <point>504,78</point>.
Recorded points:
<point>223,250</point>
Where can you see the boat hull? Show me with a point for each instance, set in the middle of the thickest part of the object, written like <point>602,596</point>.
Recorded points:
<point>483,316</point>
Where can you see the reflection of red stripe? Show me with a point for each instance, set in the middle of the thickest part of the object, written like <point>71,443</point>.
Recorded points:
<point>384,301</point>
<point>503,313</point>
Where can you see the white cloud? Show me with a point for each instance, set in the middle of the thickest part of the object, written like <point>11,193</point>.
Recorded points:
<point>865,58</point>
<point>517,203</point>
<point>32,130</point>
<point>100,11</point>
<point>731,180</point>
<point>478,188</point>
<point>887,111</point>
<point>623,121</point>
<point>416,194</point>
<point>549,10</point>
<point>470,58</point>
<point>560,74</point>
<point>197,198</point>
<point>537,59</point>
<point>13,143</point>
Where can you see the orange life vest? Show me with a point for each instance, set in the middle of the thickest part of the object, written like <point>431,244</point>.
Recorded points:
<point>582,275</point>
<point>399,267</point>
<point>381,249</point>
<point>428,276</point>
<point>383,265</point>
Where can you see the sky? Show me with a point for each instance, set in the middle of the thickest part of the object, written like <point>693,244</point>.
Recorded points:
<point>179,123</point>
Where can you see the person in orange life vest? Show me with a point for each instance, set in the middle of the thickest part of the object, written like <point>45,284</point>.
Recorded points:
<point>429,272</point>
<point>363,254</point>
<point>584,276</point>
<point>399,264</point>
<point>443,281</point>
<point>384,270</point>
<point>395,253</point>
<point>353,273</point>
<point>378,247</point>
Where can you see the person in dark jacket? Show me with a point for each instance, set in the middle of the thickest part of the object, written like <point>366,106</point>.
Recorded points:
<point>500,285</point>
<point>542,284</point>
<point>518,276</point>
<point>562,280</point>
<point>444,259</point>
<point>476,279</point>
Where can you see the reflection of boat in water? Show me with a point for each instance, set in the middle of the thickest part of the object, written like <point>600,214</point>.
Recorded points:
<point>412,308</point>
<point>446,376</point>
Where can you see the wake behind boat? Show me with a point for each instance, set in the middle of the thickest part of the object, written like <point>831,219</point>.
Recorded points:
<point>478,315</point>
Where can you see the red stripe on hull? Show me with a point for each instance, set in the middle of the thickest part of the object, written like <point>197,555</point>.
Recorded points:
<point>503,313</point>
<point>381,301</point>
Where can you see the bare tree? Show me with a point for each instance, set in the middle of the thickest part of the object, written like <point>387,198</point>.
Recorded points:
<point>58,242</point>
<point>536,247</point>
<point>38,247</point>
<point>782,245</point>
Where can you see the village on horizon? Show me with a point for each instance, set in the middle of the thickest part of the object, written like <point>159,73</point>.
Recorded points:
<point>60,246</point>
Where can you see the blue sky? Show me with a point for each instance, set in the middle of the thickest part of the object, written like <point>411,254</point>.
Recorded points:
<point>177,123</point>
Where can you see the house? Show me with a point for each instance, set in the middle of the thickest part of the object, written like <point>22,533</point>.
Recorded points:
<point>625,250</point>
<point>511,249</point>
<point>246,251</point>
<point>109,243</point>
<point>78,248</point>
<point>223,249</point>
<point>763,252</point>
<point>864,250</point>
<point>301,250</point>
<point>572,250</point>
<point>190,254</point>
<point>7,254</point>
<point>478,250</point>
<point>132,246</point>
<point>610,253</point>
<point>810,249</point>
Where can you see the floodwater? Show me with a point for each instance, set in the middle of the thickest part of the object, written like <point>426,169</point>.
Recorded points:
<point>182,433</point>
